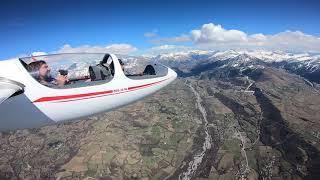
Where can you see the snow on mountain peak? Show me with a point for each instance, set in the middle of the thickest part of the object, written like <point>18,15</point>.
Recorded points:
<point>267,56</point>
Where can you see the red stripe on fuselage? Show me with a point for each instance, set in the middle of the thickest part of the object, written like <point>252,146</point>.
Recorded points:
<point>105,94</point>
<point>74,97</point>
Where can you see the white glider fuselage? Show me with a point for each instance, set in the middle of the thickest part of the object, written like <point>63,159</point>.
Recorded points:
<point>39,105</point>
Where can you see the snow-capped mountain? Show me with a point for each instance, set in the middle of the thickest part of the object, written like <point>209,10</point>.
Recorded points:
<point>304,64</point>
<point>267,56</point>
<point>195,61</point>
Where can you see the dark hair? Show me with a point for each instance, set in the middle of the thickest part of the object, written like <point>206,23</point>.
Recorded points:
<point>35,66</point>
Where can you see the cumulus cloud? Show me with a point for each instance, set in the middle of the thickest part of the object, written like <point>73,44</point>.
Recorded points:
<point>215,33</point>
<point>113,48</point>
<point>212,36</point>
<point>215,36</point>
<point>292,40</point>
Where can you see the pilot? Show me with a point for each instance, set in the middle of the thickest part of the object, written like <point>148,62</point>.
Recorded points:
<point>41,71</point>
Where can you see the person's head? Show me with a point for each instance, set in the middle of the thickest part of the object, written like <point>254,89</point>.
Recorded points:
<point>40,68</point>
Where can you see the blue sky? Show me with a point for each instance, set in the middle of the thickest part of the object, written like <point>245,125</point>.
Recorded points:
<point>30,26</point>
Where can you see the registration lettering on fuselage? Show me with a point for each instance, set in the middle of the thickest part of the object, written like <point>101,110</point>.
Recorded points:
<point>115,91</point>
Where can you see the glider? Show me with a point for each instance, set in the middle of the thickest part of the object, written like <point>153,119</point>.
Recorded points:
<point>94,83</point>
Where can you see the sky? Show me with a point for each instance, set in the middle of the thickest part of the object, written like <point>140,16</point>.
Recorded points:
<point>150,27</point>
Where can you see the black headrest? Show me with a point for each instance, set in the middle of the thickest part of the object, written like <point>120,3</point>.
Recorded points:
<point>105,59</point>
<point>149,70</point>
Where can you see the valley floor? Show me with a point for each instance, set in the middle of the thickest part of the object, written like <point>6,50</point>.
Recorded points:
<point>203,127</point>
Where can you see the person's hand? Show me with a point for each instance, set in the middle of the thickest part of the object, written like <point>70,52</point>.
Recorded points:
<point>62,80</point>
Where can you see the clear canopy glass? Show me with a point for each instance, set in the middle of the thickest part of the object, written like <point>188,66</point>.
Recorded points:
<point>85,69</point>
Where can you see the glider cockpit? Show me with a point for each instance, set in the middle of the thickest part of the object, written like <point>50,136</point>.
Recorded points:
<point>87,69</point>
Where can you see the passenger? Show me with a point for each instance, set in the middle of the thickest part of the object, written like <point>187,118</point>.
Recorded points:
<point>41,72</point>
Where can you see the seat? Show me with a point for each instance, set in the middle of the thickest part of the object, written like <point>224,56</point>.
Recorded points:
<point>149,70</point>
<point>99,72</point>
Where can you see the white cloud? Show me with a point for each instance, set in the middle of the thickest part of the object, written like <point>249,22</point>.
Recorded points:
<point>258,37</point>
<point>113,48</point>
<point>293,40</point>
<point>215,33</point>
<point>212,36</point>
<point>38,53</point>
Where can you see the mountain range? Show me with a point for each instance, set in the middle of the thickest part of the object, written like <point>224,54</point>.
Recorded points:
<point>306,65</point>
